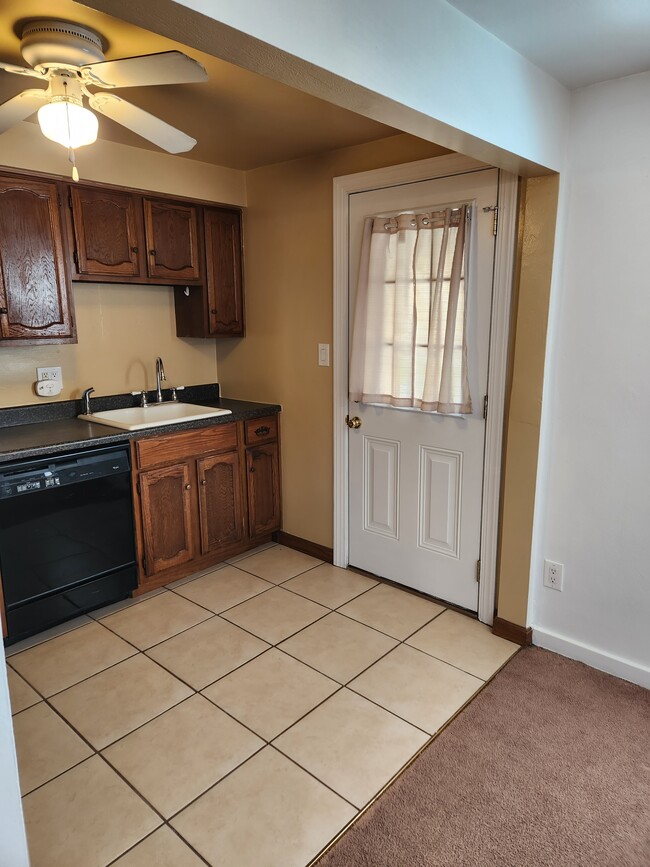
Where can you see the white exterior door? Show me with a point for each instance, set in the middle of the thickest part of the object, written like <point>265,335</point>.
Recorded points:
<point>416,479</point>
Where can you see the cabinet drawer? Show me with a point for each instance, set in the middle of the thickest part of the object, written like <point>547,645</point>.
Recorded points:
<point>261,430</point>
<point>188,444</point>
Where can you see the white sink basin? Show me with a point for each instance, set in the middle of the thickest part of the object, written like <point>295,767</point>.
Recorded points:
<point>156,415</point>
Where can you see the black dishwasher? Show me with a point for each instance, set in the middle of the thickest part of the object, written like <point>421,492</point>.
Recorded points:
<point>66,537</point>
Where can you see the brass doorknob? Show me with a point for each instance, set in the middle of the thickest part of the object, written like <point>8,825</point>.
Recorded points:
<point>354,422</point>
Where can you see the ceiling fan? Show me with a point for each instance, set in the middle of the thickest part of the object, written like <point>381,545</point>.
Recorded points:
<point>70,60</point>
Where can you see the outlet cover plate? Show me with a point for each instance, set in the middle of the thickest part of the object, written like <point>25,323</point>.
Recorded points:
<point>52,373</point>
<point>553,575</point>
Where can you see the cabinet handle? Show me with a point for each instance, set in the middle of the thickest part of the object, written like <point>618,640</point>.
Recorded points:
<point>262,431</point>
<point>188,487</point>
<point>4,311</point>
<point>134,249</point>
<point>214,311</point>
<point>252,469</point>
<point>203,482</point>
<point>152,252</point>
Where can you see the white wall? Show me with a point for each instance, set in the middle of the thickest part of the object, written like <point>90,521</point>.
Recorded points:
<point>593,499</point>
<point>462,87</point>
<point>13,846</point>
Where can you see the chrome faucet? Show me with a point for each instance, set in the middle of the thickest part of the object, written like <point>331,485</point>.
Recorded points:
<point>160,377</point>
<point>86,399</point>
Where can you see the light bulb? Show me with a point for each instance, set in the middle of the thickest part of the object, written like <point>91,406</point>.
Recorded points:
<point>67,123</point>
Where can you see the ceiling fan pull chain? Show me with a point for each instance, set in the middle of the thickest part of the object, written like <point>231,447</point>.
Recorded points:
<point>75,173</point>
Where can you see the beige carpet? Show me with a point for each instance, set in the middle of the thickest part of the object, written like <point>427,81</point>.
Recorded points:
<point>548,767</point>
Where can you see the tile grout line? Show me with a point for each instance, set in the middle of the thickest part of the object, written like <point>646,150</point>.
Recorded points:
<point>274,645</point>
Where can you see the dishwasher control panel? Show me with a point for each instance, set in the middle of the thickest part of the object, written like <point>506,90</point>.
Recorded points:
<point>69,470</point>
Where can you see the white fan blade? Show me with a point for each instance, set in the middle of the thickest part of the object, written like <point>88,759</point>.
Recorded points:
<point>168,67</point>
<point>141,122</point>
<point>20,107</point>
<point>20,70</point>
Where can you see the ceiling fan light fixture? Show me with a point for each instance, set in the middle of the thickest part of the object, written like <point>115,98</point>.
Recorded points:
<point>67,123</point>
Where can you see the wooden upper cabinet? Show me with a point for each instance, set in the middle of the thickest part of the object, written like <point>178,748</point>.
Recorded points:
<point>34,286</point>
<point>223,262</point>
<point>173,248</point>
<point>108,233</point>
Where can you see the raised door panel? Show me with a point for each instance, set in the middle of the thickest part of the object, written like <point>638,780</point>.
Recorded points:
<point>172,240</point>
<point>34,289</point>
<point>224,271</point>
<point>263,467</point>
<point>166,517</point>
<point>220,502</point>
<point>108,232</point>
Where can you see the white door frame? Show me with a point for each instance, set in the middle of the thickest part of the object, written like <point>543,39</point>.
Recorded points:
<point>423,170</point>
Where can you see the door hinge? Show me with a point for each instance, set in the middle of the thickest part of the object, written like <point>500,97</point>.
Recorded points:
<point>478,570</point>
<point>485,406</point>
<point>495,218</point>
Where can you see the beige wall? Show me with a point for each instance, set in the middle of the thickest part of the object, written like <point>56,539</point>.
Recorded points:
<point>288,237</point>
<point>120,329</point>
<point>538,211</point>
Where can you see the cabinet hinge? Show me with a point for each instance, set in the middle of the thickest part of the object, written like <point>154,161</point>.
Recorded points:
<point>478,570</point>
<point>495,219</point>
<point>137,487</point>
<point>144,564</point>
<point>75,258</point>
<point>70,199</point>
<point>485,406</point>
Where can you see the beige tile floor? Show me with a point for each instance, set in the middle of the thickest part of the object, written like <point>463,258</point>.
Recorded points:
<point>240,717</point>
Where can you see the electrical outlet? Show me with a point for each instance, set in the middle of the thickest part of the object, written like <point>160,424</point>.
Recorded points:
<point>553,575</point>
<point>49,373</point>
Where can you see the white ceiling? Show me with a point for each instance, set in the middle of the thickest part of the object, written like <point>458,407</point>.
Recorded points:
<point>240,119</point>
<point>578,42</point>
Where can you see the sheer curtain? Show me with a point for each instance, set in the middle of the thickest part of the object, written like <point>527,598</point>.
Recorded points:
<point>408,341</point>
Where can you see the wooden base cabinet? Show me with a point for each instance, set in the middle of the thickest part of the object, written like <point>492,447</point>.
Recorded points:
<point>202,496</point>
<point>167,532</point>
<point>263,464</point>
<point>220,502</point>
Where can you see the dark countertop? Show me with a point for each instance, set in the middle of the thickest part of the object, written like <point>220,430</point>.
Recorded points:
<point>40,438</point>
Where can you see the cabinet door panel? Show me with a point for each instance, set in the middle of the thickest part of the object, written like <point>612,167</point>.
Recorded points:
<point>166,517</point>
<point>263,468</point>
<point>108,232</point>
<point>220,502</point>
<point>172,240</point>
<point>34,290</point>
<point>224,271</point>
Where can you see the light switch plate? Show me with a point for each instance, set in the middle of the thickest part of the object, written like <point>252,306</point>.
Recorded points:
<point>324,354</point>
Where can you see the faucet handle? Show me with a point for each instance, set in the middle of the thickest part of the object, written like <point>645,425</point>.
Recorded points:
<point>176,388</point>
<point>86,400</point>
<point>143,398</point>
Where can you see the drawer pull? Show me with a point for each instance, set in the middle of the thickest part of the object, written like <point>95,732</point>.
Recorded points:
<point>188,487</point>
<point>203,482</point>
<point>262,431</point>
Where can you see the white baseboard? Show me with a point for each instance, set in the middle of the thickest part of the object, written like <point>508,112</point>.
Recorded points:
<point>623,668</point>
